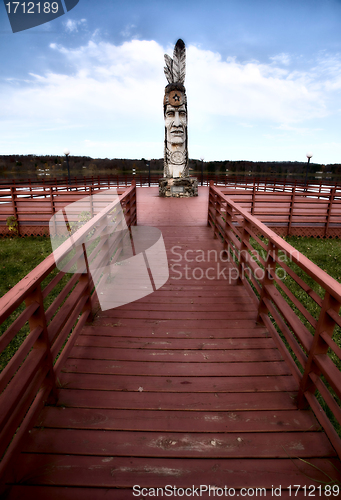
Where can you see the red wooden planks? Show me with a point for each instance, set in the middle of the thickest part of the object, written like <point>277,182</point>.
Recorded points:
<point>176,369</point>
<point>120,472</point>
<point>161,332</point>
<point>174,344</point>
<point>179,445</point>
<point>187,356</point>
<point>181,401</point>
<point>181,387</point>
<point>178,421</point>
<point>177,384</point>
<point>175,323</point>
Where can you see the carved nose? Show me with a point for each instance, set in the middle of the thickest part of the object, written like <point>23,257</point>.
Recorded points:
<point>177,120</point>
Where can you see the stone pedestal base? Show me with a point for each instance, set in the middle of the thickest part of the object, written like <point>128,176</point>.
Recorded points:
<point>179,187</point>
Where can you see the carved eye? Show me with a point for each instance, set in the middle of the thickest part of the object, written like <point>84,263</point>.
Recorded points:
<point>170,113</point>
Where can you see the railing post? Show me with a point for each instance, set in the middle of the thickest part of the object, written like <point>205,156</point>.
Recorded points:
<point>52,200</point>
<point>253,200</point>
<point>329,209</point>
<point>270,269</point>
<point>15,208</point>
<point>244,238</point>
<point>228,221</point>
<point>325,324</point>
<point>210,202</point>
<point>133,183</point>
<point>38,319</point>
<point>91,202</point>
<point>86,277</point>
<point>291,211</point>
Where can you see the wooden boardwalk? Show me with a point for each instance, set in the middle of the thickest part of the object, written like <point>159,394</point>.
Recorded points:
<point>180,388</point>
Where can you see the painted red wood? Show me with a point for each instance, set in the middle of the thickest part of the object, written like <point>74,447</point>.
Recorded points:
<point>145,398</point>
<point>176,356</point>
<point>179,445</point>
<point>178,384</point>
<point>106,479</point>
<point>157,329</point>
<point>167,401</point>
<point>178,421</point>
<point>171,343</point>
<point>29,379</point>
<point>177,369</point>
<point>274,310</point>
<point>179,315</point>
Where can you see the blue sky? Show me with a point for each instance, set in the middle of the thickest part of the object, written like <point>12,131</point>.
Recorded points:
<point>263,79</point>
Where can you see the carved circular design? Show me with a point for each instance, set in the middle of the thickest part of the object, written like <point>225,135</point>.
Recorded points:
<point>175,98</point>
<point>177,158</point>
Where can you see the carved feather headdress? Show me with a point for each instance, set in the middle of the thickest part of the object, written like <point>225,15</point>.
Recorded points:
<point>175,69</point>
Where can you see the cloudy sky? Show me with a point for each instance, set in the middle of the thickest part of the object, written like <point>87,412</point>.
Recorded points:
<point>263,79</point>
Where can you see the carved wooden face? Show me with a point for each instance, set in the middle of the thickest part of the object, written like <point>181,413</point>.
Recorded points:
<point>176,123</point>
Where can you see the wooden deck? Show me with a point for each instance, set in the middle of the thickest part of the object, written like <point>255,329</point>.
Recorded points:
<point>180,388</point>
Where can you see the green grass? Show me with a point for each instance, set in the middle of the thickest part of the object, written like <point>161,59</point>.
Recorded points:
<point>19,256</point>
<point>323,252</point>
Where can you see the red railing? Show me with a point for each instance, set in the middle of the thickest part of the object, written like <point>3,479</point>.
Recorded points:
<point>272,183</point>
<point>297,208</point>
<point>52,305</point>
<point>32,207</point>
<point>295,204</point>
<point>297,301</point>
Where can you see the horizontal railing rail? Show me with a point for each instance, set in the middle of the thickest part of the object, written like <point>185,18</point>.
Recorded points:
<point>297,301</point>
<point>272,184</point>
<point>143,178</point>
<point>47,309</point>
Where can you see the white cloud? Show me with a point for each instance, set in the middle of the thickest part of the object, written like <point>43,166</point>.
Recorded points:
<point>252,90</point>
<point>72,25</point>
<point>282,58</point>
<point>113,97</point>
<point>128,30</point>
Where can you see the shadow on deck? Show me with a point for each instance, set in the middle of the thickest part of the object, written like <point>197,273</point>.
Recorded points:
<point>180,388</point>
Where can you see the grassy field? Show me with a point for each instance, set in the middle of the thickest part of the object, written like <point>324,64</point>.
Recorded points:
<point>325,253</point>
<point>18,256</point>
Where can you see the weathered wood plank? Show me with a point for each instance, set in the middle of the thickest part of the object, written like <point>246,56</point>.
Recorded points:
<point>113,493</point>
<point>179,445</point>
<point>183,401</point>
<point>193,315</point>
<point>118,472</point>
<point>178,421</point>
<point>226,356</point>
<point>189,307</point>
<point>176,344</point>
<point>176,369</point>
<point>160,332</point>
<point>106,320</point>
<point>177,384</point>
<point>162,296</point>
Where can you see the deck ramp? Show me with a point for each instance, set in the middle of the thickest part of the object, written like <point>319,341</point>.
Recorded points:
<point>181,388</point>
